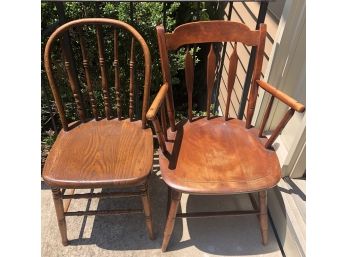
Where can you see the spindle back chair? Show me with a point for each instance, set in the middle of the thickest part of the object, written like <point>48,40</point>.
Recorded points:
<point>97,152</point>
<point>215,155</point>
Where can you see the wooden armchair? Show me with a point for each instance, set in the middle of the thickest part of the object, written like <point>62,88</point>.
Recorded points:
<point>215,155</point>
<point>97,152</point>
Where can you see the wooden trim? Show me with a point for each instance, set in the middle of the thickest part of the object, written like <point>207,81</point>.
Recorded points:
<point>101,195</point>
<point>104,212</point>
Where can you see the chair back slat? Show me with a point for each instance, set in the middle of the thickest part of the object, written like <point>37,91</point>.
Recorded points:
<point>104,82</point>
<point>189,77</point>
<point>266,116</point>
<point>87,74</point>
<point>256,75</point>
<point>131,81</point>
<point>73,85</point>
<point>211,66</point>
<point>117,76</point>
<point>232,71</point>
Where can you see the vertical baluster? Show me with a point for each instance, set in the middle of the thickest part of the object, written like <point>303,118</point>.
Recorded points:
<point>131,81</point>
<point>189,77</point>
<point>87,75</point>
<point>104,82</point>
<point>266,115</point>
<point>232,69</point>
<point>210,76</point>
<point>117,76</point>
<point>73,85</point>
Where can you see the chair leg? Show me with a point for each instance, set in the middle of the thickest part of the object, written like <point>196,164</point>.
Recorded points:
<point>263,216</point>
<point>169,193</point>
<point>147,211</point>
<point>58,204</point>
<point>175,200</point>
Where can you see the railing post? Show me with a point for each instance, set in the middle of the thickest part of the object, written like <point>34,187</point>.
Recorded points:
<point>221,67</point>
<point>260,19</point>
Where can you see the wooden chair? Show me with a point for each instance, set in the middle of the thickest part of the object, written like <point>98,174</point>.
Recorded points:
<point>111,152</point>
<point>215,155</point>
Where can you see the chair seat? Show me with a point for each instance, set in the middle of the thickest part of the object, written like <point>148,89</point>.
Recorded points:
<point>103,153</point>
<point>218,157</point>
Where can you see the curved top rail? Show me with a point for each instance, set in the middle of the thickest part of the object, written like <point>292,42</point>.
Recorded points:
<point>101,21</point>
<point>211,31</point>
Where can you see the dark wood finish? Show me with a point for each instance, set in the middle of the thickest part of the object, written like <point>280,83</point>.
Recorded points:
<point>215,214</point>
<point>87,75</point>
<point>266,116</point>
<point>211,66</point>
<point>104,82</point>
<point>175,200</point>
<point>98,153</point>
<point>189,77</point>
<point>117,76</point>
<point>232,71</point>
<point>216,156</point>
<point>131,81</point>
<point>164,121</point>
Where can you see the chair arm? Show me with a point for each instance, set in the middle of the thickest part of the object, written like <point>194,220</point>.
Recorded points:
<point>291,102</point>
<point>156,104</point>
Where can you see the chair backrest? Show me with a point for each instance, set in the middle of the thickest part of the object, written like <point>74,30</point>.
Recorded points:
<point>100,23</point>
<point>210,32</point>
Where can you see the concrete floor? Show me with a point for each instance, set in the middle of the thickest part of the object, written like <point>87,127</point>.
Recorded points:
<point>126,235</point>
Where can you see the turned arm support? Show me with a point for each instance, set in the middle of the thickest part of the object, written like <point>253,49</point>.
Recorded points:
<point>292,103</point>
<point>152,115</point>
<point>156,104</point>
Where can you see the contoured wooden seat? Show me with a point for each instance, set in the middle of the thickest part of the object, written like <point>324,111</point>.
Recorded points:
<point>99,151</point>
<point>215,155</point>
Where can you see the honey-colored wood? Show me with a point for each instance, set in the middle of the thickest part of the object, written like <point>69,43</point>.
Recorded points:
<point>238,162</point>
<point>211,31</point>
<point>279,128</point>
<point>166,75</point>
<point>256,74</point>
<point>232,71</point>
<point>117,76</point>
<point>263,216</point>
<point>104,82</point>
<point>74,86</point>
<point>98,153</point>
<point>156,104</point>
<point>175,200</point>
<point>189,77</point>
<point>58,204</point>
<point>216,156</point>
<point>131,81</point>
<point>266,116</point>
<point>107,153</point>
<point>292,103</point>
<point>211,66</point>
<point>87,75</point>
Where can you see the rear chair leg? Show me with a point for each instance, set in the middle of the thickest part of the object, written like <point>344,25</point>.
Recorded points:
<point>58,204</point>
<point>175,200</point>
<point>147,211</point>
<point>263,216</point>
